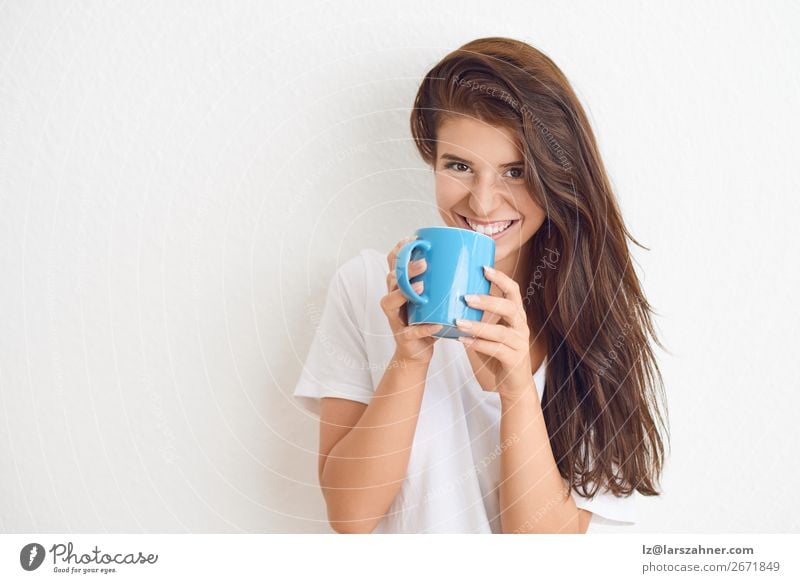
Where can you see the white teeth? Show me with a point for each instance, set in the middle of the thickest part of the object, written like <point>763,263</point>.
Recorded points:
<point>491,229</point>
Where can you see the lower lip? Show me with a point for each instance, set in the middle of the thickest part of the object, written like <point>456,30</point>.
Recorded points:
<point>496,235</point>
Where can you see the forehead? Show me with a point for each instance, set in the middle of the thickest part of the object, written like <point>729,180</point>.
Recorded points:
<point>473,139</point>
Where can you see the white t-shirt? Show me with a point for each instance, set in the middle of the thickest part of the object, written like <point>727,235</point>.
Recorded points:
<point>454,468</point>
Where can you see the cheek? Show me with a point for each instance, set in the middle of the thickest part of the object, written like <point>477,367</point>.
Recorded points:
<point>448,191</point>
<point>534,219</point>
<point>533,225</point>
<point>529,207</point>
<point>533,213</point>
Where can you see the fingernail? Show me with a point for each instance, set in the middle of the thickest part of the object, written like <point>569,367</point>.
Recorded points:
<point>417,285</point>
<point>463,323</point>
<point>488,269</point>
<point>469,298</point>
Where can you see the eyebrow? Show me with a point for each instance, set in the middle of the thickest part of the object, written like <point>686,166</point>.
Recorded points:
<point>455,158</point>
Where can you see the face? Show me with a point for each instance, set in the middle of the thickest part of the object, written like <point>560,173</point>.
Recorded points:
<point>480,186</point>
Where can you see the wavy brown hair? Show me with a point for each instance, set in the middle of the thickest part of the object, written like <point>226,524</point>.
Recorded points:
<point>604,387</point>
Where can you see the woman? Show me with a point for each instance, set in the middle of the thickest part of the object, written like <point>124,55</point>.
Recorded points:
<point>549,418</point>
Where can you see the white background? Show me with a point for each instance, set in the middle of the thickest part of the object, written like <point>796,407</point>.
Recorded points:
<point>178,182</point>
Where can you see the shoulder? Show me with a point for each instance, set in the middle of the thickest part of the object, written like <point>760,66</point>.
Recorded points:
<point>357,288</point>
<point>363,265</point>
<point>365,273</point>
<point>374,261</point>
<point>360,278</point>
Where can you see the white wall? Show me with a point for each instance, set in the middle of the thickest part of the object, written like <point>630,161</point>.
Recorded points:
<point>178,183</point>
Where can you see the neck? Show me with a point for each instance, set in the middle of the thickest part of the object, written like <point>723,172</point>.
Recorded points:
<point>517,267</point>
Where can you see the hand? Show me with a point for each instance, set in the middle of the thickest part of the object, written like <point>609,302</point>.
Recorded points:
<point>503,348</point>
<point>414,343</point>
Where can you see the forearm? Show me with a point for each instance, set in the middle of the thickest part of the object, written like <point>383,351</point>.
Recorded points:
<point>365,469</point>
<point>533,496</point>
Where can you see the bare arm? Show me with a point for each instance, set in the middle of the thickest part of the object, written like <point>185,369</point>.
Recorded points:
<point>533,497</point>
<point>362,469</point>
<point>364,449</point>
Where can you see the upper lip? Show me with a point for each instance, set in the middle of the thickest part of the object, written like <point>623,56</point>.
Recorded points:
<point>477,222</point>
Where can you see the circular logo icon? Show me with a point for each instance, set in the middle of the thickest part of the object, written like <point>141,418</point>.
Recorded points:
<point>31,556</point>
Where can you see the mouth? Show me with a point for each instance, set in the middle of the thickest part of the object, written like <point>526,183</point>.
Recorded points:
<point>494,230</point>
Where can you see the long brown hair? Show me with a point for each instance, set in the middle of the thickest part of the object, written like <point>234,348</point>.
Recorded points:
<point>601,398</point>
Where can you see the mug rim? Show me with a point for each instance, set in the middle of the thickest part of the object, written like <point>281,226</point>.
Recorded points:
<point>455,229</point>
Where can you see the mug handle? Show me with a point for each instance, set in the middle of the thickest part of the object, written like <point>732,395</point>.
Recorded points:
<point>401,270</point>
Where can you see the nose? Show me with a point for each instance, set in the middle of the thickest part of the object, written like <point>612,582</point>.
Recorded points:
<point>486,195</point>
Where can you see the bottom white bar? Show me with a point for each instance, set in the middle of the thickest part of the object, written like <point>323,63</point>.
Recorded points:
<point>349,558</point>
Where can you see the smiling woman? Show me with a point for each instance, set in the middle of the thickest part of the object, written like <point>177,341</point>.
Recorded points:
<point>486,106</point>
<point>564,435</point>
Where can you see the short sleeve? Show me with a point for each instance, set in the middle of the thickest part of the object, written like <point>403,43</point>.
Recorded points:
<point>608,509</point>
<point>337,364</point>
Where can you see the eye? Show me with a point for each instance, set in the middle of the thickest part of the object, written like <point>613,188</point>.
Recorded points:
<point>520,170</point>
<point>454,164</point>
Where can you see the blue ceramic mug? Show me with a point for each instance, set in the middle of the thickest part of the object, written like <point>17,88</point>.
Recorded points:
<point>455,259</point>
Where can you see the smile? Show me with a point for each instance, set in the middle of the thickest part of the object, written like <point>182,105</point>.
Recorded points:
<point>494,230</point>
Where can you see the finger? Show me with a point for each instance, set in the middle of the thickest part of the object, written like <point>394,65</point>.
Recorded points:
<point>392,256</point>
<point>415,268</point>
<point>490,317</point>
<point>392,306</point>
<point>395,299</point>
<point>501,352</point>
<point>507,285</point>
<point>415,331</point>
<point>494,332</point>
<point>503,307</point>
